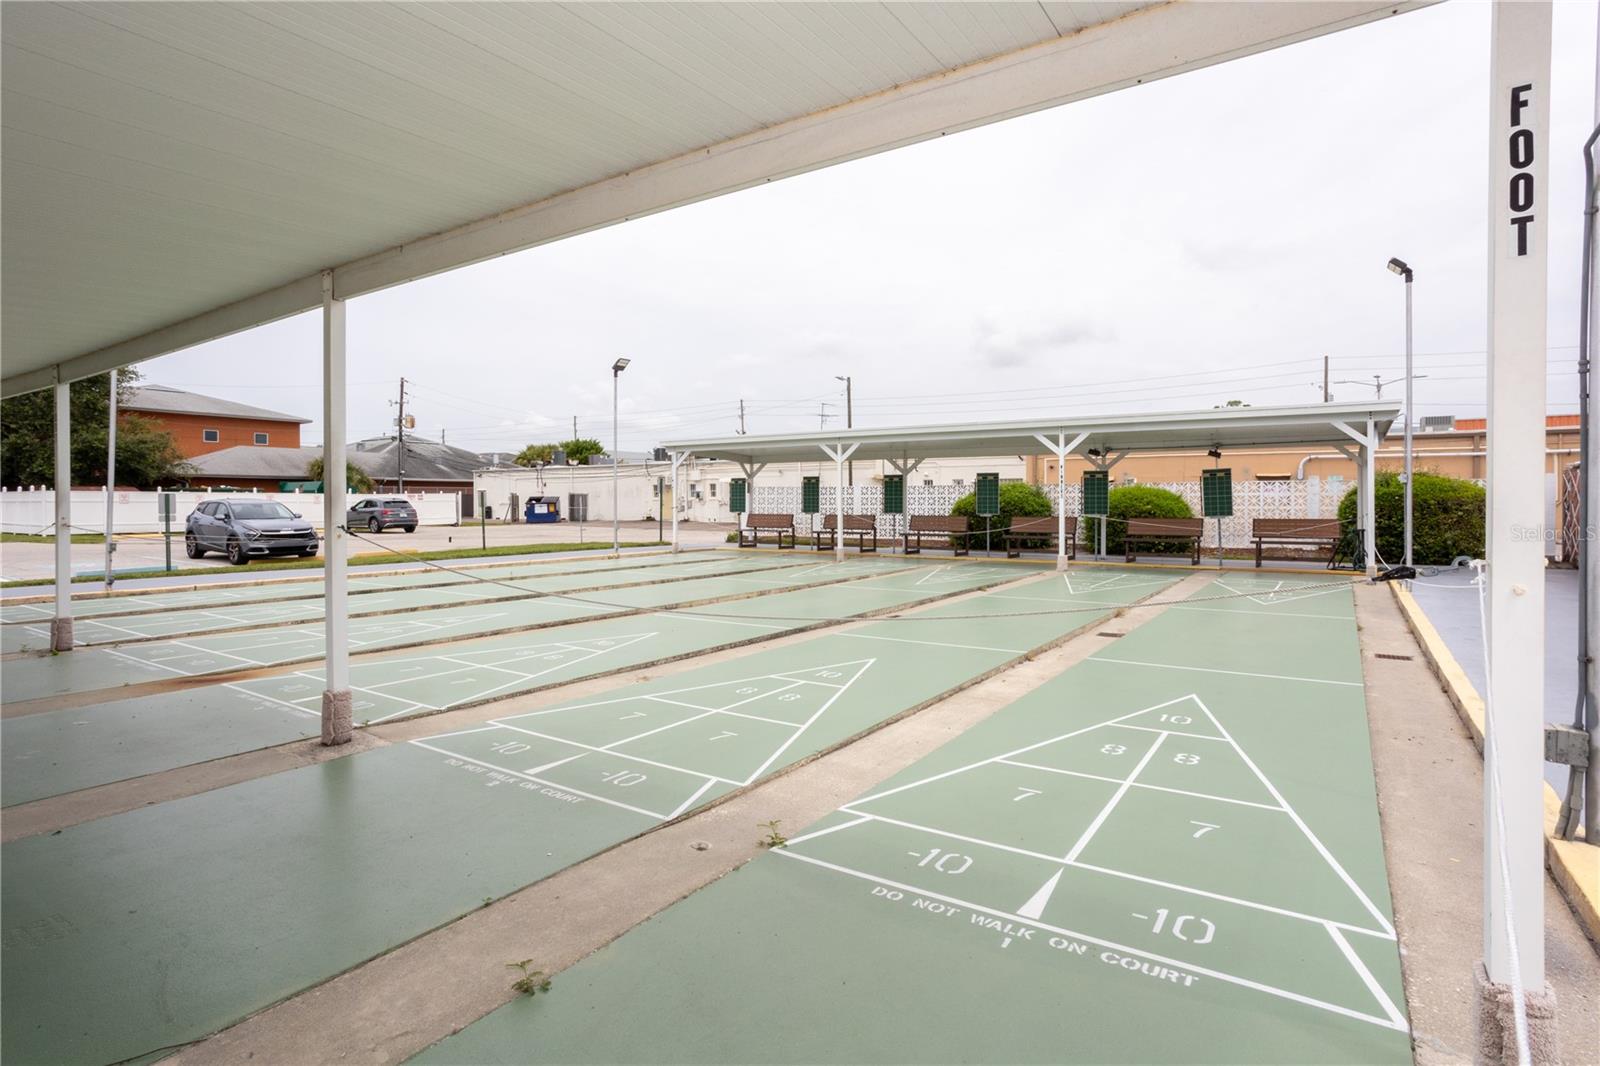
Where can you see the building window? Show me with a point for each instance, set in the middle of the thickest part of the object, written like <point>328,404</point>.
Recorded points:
<point>261,438</point>
<point>211,436</point>
<point>713,486</point>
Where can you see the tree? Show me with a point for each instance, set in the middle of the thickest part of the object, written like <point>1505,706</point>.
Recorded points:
<point>1447,517</point>
<point>1138,501</point>
<point>1016,498</point>
<point>535,454</point>
<point>147,457</point>
<point>355,479</point>
<point>580,448</point>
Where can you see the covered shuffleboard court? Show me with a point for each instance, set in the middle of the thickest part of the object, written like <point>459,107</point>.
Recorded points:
<point>251,589</point>
<point>1170,852</point>
<point>55,751</point>
<point>167,616</point>
<point>94,668</point>
<point>297,876</point>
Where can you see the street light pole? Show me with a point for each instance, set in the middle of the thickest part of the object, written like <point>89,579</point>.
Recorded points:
<point>616,446</point>
<point>1404,271</point>
<point>849,419</point>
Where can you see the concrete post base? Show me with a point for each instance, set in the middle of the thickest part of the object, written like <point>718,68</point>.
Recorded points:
<point>336,717</point>
<point>61,634</point>
<point>1497,1027</point>
<point>1061,562</point>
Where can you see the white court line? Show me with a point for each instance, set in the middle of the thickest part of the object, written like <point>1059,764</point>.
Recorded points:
<point>1214,670</point>
<point>1116,797</point>
<point>929,643</point>
<point>1260,614</point>
<point>1174,732</point>
<point>831,829</point>
<point>801,729</point>
<point>948,835</point>
<point>686,804</point>
<point>619,754</point>
<point>541,781</point>
<point>273,699</point>
<point>1327,856</point>
<point>1332,586</point>
<point>697,688</point>
<point>735,703</point>
<point>1140,784</point>
<point>1012,754</point>
<point>1034,908</point>
<point>1370,981</point>
<point>1111,944</point>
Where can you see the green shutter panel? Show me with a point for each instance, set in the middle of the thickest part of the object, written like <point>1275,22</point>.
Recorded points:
<point>810,495</point>
<point>736,495</point>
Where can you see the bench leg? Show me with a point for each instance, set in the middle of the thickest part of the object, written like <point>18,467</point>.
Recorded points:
<point>913,544</point>
<point>1258,555</point>
<point>1195,559</point>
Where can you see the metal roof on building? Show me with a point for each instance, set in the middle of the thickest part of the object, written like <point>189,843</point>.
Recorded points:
<point>1229,427</point>
<point>173,173</point>
<point>425,461</point>
<point>164,399</point>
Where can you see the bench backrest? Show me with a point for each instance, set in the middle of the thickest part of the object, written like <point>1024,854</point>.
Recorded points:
<point>1166,527</point>
<point>853,523</point>
<point>938,523</point>
<point>1310,528</point>
<point>769,521</point>
<point>1042,525</point>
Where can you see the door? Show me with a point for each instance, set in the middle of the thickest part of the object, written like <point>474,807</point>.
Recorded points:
<point>217,528</point>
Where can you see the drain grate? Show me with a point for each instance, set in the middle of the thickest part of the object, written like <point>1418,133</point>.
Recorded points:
<point>1111,634</point>
<point>1390,655</point>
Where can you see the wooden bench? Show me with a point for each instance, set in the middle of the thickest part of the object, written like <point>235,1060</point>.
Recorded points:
<point>1150,530</point>
<point>861,525</point>
<point>757,524</point>
<point>950,527</point>
<point>1296,532</point>
<point>1037,528</point>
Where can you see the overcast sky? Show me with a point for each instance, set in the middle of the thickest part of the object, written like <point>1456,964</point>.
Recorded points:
<point>1181,244</point>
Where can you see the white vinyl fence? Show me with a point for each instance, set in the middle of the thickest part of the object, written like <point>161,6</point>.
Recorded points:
<point>33,510</point>
<point>1312,498</point>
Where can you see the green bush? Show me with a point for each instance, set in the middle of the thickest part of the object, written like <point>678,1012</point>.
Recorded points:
<point>1447,517</point>
<point>1016,498</point>
<point>1137,501</point>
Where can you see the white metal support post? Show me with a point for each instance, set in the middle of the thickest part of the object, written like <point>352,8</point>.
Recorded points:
<point>750,470</point>
<point>839,454</point>
<point>336,704</point>
<point>1513,818</point>
<point>111,482</point>
<point>1365,456</point>
<point>677,461</point>
<point>1061,449</point>
<point>904,467</point>
<point>61,625</point>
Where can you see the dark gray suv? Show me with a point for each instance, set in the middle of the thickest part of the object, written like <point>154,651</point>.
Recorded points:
<point>380,513</point>
<point>242,527</point>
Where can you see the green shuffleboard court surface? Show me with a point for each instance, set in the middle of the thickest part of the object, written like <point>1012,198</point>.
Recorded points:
<point>54,752</point>
<point>87,669</point>
<point>1143,860</point>
<point>291,587</point>
<point>169,922</point>
<point>175,622</point>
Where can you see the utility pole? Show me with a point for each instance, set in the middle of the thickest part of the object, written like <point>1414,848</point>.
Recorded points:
<point>823,415</point>
<point>741,418</point>
<point>574,427</point>
<point>1327,392</point>
<point>400,455</point>
<point>849,418</point>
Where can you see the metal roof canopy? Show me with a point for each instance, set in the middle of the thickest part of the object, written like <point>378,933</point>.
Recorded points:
<point>174,173</point>
<point>1227,427</point>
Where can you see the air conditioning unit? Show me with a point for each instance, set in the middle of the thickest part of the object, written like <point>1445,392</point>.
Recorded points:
<point>1436,423</point>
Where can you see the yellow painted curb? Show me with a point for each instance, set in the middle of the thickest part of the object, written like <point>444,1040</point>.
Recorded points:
<point>1172,568</point>
<point>1574,866</point>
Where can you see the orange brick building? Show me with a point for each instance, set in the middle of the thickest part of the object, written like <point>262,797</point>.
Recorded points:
<point>203,424</point>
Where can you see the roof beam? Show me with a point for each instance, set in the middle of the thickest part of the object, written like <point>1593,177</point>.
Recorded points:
<point>1147,44</point>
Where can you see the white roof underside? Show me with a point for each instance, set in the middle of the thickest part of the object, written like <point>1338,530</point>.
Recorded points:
<point>173,172</point>
<point>1229,428</point>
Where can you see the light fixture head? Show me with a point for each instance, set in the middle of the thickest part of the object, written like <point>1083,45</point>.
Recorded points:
<point>1095,453</point>
<point>1215,453</point>
<point>620,365</point>
<point>1399,267</point>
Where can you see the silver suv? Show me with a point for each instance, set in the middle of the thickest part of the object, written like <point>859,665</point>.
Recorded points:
<point>242,527</point>
<point>379,513</point>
